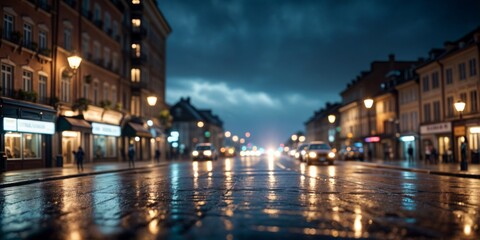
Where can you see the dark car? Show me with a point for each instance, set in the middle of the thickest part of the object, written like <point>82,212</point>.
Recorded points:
<point>319,152</point>
<point>204,151</point>
<point>301,151</point>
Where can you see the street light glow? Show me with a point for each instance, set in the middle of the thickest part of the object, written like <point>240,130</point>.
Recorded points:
<point>235,138</point>
<point>74,61</point>
<point>200,124</point>
<point>459,106</point>
<point>152,100</point>
<point>301,139</point>
<point>247,134</point>
<point>294,137</point>
<point>368,103</point>
<point>331,118</point>
<point>228,134</point>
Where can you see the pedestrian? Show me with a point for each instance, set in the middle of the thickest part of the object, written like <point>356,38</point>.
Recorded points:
<point>157,155</point>
<point>79,158</point>
<point>386,153</point>
<point>427,153</point>
<point>434,155</point>
<point>131,156</point>
<point>410,152</point>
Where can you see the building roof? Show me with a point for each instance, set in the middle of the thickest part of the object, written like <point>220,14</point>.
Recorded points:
<point>184,111</point>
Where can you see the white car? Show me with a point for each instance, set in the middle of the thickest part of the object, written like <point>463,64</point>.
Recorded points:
<point>319,152</point>
<point>204,151</point>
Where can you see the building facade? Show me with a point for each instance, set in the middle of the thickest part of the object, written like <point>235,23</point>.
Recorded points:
<point>97,104</point>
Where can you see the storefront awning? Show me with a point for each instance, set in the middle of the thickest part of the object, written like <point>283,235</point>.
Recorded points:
<point>135,129</point>
<point>73,124</point>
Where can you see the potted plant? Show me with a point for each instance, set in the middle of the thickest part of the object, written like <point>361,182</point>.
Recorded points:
<point>81,105</point>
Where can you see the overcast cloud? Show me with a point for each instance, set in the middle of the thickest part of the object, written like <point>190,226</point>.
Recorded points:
<point>265,65</point>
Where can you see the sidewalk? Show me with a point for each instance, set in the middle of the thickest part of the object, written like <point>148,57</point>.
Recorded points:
<point>22,177</point>
<point>446,169</point>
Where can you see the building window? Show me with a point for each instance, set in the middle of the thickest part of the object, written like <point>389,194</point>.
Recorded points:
<point>463,97</point>
<point>114,29</point>
<point>86,47</point>
<point>135,1</point>
<point>27,81</point>
<point>7,80</point>
<point>42,40</point>
<point>67,39</point>
<point>136,23</point>
<point>414,121</point>
<point>462,71</point>
<point>473,101</point>
<point>136,49</point>
<point>106,57</point>
<point>85,7</point>
<point>42,88</point>
<point>450,106</point>
<point>8,26</point>
<point>435,81</point>
<point>436,111</point>
<point>448,76</point>
<point>106,90</point>
<point>97,13</point>
<point>473,67</point>
<point>65,87</point>
<point>114,61</point>
<point>107,27</point>
<point>135,75</point>
<point>427,113</point>
<point>96,51</point>
<point>135,105</point>
<point>23,146</point>
<point>425,83</point>
<point>86,89</point>
<point>95,93</point>
<point>27,35</point>
<point>114,95</point>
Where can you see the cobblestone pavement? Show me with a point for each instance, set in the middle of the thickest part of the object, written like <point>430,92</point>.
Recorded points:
<point>250,198</point>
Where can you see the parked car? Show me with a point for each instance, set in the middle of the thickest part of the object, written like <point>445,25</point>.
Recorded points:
<point>301,151</point>
<point>319,152</point>
<point>352,153</point>
<point>204,151</point>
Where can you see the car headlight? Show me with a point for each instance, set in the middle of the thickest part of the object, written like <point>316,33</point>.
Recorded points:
<point>303,152</point>
<point>297,155</point>
<point>207,153</point>
<point>331,155</point>
<point>312,155</point>
<point>195,153</point>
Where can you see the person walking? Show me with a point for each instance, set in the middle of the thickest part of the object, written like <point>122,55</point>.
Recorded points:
<point>79,158</point>
<point>131,156</point>
<point>157,155</point>
<point>410,153</point>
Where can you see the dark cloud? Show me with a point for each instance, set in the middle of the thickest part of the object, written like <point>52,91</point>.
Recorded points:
<point>307,48</point>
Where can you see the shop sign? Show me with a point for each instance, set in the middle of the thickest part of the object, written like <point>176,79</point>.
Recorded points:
<point>32,126</point>
<point>10,124</point>
<point>105,129</point>
<point>459,131</point>
<point>407,138</point>
<point>372,139</point>
<point>445,127</point>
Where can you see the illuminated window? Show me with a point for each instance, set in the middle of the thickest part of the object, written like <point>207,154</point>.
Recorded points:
<point>136,49</point>
<point>136,22</point>
<point>22,146</point>
<point>65,87</point>
<point>135,75</point>
<point>27,81</point>
<point>135,1</point>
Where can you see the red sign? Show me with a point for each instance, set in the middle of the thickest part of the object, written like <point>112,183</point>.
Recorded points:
<point>372,139</point>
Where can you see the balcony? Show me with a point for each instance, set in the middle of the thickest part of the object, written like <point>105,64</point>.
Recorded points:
<point>140,60</point>
<point>138,34</point>
<point>98,23</point>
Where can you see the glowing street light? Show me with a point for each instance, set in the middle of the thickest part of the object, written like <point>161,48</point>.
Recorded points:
<point>331,118</point>
<point>200,124</point>
<point>152,100</point>
<point>460,106</point>
<point>74,61</point>
<point>228,134</point>
<point>368,103</point>
<point>301,139</point>
<point>235,138</point>
<point>294,137</point>
<point>247,134</point>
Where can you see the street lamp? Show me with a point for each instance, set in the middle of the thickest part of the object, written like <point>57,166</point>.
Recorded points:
<point>294,137</point>
<point>460,106</point>
<point>152,100</point>
<point>331,118</point>
<point>200,124</point>
<point>74,61</point>
<point>301,139</point>
<point>228,134</point>
<point>368,104</point>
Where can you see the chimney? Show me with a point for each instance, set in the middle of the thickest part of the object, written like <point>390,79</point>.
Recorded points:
<point>187,99</point>
<point>391,57</point>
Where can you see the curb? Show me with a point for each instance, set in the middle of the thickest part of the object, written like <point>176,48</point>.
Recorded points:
<point>60,177</point>
<point>426,171</point>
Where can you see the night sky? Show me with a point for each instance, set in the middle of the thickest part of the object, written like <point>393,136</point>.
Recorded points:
<point>265,66</point>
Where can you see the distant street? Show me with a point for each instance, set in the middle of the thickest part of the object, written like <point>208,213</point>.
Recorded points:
<point>245,198</point>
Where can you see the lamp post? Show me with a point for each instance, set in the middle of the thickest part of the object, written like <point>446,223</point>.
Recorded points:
<point>331,138</point>
<point>152,100</point>
<point>460,106</point>
<point>74,61</point>
<point>368,104</point>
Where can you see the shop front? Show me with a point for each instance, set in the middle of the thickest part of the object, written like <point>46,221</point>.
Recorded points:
<point>26,136</point>
<point>138,135</point>
<point>74,132</point>
<point>467,130</point>
<point>106,132</point>
<point>437,138</point>
<point>409,140</point>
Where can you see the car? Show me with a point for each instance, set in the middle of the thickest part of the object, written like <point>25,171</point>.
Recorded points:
<point>352,153</point>
<point>319,152</point>
<point>301,151</point>
<point>204,151</point>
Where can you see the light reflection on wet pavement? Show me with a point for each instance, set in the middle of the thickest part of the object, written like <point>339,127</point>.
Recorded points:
<point>244,199</point>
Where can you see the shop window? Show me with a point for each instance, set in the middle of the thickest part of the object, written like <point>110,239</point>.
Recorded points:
<point>22,146</point>
<point>105,146</point>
